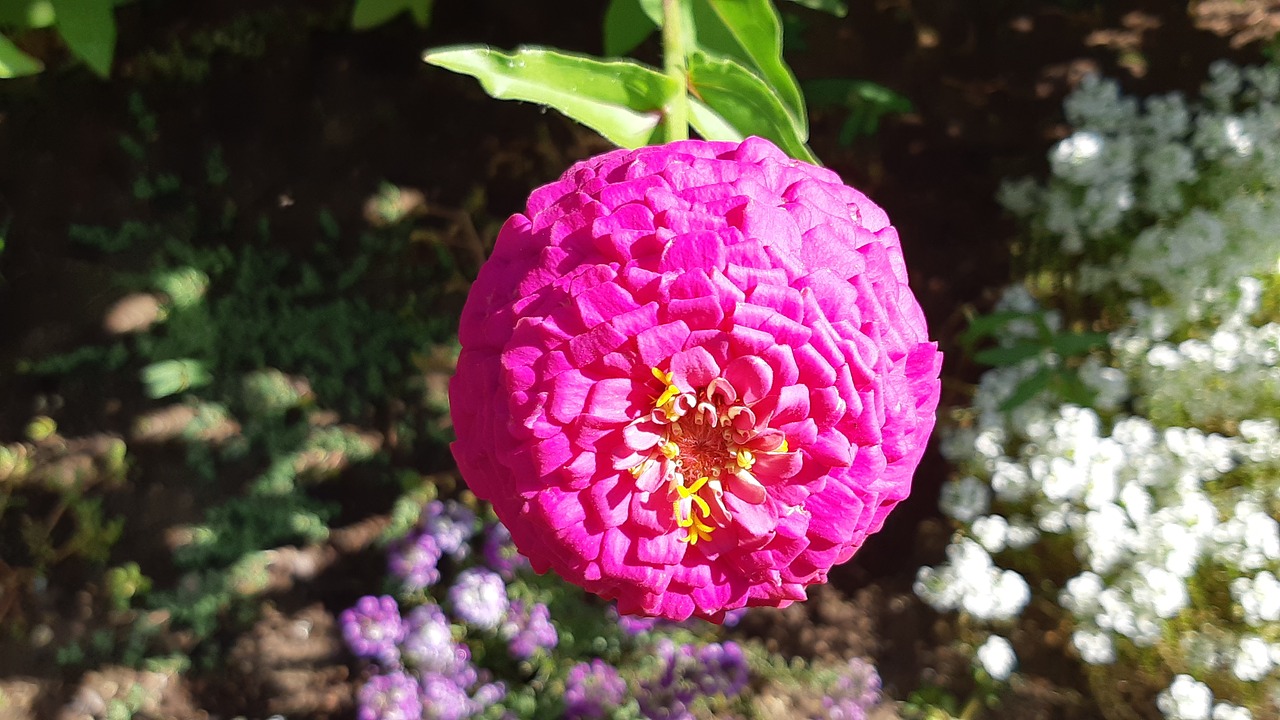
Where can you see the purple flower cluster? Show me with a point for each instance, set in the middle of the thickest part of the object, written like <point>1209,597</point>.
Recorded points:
<point>373,629</point>
<point>634,625</point>
<point>500,552</point>
<point>690,672</point>
<point>420,671</point>
<point>479,597</point>
<point>528,629</point>
<point>390,696</point>
<point>428,643</point>
<point>592,691</point>
<point>854,694</point>
<point>416,561</point>
<point>452,525</point>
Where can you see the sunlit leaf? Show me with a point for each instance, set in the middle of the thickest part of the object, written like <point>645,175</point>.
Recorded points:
<point>834,7</point>
<point>170,377</point>
<point>620,99</point>
<point>750,32</point>
<point>89,29</point>
<point>745,102</point>
<point>372,13</point>
<point>14,62</point>
<point>628,22</point>
<point>710,125</point>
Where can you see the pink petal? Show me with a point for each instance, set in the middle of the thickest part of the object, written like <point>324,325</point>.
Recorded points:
<point>694,368</point>
<point>746,487</point>
<point>751,377</point>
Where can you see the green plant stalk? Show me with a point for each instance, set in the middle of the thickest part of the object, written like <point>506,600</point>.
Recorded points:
<point>675,115</point>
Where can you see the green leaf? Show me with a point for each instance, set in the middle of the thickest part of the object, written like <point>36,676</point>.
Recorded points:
<point>628,22</point>
<point>834,7</point>
<point>1073,390</point>
<point>170,377</point>
<point>709,124</point>
<point>866,101</point>
<point>745,102</point>
<point>620,99</point>
<point>14,62</point>
<point>990,324</point>
<point>1028,388</point>
<point>89,29</point>
<point>371,13</point>
<point>750,32</point>
<point>1002,356</point>
<point>1073,344</point>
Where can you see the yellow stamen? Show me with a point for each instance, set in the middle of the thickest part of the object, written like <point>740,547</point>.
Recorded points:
<point>702,505</point>
<point>670,449</point>
<point>783,447</point>
<point>745,459</point>
<point>669,392</point>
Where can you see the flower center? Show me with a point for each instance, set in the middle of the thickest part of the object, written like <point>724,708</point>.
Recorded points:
<point>708,445</point>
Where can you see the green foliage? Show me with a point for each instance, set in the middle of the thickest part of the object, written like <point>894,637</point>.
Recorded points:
<point>15,63</point>
<point>833,7</point>
<point>372,13</point>
<point>742,99</point>
<point>620,99</point>
<point>88,27</point>
<point>1056,349</point>
<point>867,103</point>
<point>724,74</point>
<point>749,34</point>
<point>628,22</point>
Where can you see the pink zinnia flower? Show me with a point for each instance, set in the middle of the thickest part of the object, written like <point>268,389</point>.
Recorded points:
<point>693,377</point>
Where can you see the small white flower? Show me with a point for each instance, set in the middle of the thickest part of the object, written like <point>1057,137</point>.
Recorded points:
<point>996,656</point>
<point>991,531</point>
<point>1253,661</point>
<point>1095,647</point>
<point>1227,711</point>
<point>965,499</point>
<point>1186,699</point>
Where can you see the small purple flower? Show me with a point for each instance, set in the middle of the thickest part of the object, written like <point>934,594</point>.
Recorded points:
<point>444,699</point>
<point>721,669</point>
<point>592,691</point>
<point>500,552</point>
<point>428,644</point>
<point>529,629</point>
<point>391,696</point>
<point>633,625</point>
<point>733,617</point>
<point>690,672</point>
<point>489,694</point>
<point>451,524</point>
<point>479,598</point>
<point>372,629</point>
<point>854,694</point>
<point>415,561</point>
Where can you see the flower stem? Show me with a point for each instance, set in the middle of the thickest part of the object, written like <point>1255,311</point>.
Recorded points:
<point>675,116</point>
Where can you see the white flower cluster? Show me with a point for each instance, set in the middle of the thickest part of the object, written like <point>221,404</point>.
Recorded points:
<point>1189,699</point>
<point>1164,197</point>
<point>1166,488</point>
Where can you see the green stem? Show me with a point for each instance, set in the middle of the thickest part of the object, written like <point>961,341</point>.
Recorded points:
<point>675,116</point>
